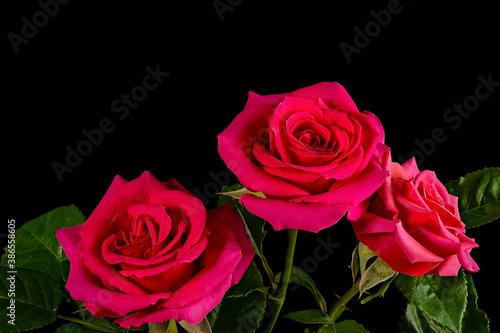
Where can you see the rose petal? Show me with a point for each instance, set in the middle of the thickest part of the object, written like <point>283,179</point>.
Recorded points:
<point>191,254</point>
<point>443,245</point>
<point>449,267</point>
<point>173,184</point>
<point>313,183</point>
<point>411,168</point>
<point>289,215</point>
<point>332,93</point>
<point>193,313</point>
<point>100,311</point>
<point>384,193</point>
<point>341,121</point>
<point>467,244</point>
<point>189,205</point>
<point>218,262</point>
<point>353,191</point>
<point>348,166</point>
<point>140,189</point>
<point>369,224</point>
<point>356,212</point>
<point>232,220</point>
<point>255,99</point>
<point>413,250</point>
<point>387,248</point>
<point>158,214</point>
<point>167,279</point>
<point>448,219</point>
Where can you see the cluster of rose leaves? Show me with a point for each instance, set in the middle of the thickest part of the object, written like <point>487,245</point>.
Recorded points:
<point>150,251</point>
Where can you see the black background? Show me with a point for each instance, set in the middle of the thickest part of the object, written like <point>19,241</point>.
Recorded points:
<point>63,80</point>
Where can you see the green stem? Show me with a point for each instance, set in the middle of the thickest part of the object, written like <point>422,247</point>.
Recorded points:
<point>285,279</point>
<point>340,305</point>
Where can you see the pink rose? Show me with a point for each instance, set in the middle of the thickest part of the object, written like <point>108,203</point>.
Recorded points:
<point>151,252</point>
<point>413,224</point>
<point>310,152</point>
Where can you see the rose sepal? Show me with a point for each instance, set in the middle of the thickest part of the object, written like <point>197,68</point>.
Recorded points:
<point>237,194</point>
<point>201,327</point>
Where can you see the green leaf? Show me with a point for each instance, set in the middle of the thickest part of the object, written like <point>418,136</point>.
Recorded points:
<point>381,291</point>
<point>37,247</point>
<point>299,276</point>
<point>255,227</point>
<point>346,326</point>
<point>309,317</point>
<point>250,281</point>
<point>36,294</point>
<point>376,273</point>
<point>238,314</point>
<point>478,196</point>
<point>416,322</point>
<point>349,326</point>
<point>91,322</point>
<point>475,320</point>
<point>75,328</point>
<point>243,306</point>
<point>442,299</point>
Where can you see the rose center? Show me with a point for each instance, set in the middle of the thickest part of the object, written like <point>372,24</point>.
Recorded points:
<point>309,132</point>
<point>310,138</point>
<point>143,240</point>
<point>431,192</point>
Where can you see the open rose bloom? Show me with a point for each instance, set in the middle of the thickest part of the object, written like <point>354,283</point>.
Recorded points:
<point>310,152</point>
<point>413,224</point>
<point>150,252</point>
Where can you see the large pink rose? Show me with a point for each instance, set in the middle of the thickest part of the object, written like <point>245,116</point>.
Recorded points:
<point>310,152</point>
<point>413,224</point>
<point>150,252</point>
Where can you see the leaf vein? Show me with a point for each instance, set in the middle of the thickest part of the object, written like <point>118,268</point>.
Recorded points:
<point>46,246</point>
<point>442,304</point>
